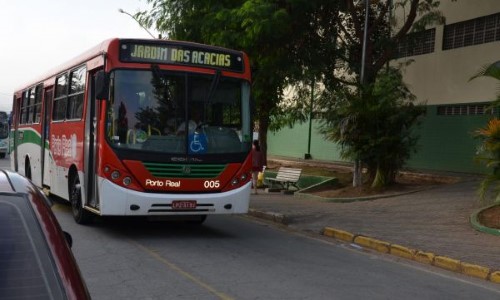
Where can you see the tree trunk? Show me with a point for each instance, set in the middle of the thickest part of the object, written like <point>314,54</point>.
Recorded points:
<point>380,179</point>
<point>263,127</point>
<point>356,174</point>
<point>384,177</point>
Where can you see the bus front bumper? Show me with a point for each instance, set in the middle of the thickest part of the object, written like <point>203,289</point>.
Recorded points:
<point>118,201</point>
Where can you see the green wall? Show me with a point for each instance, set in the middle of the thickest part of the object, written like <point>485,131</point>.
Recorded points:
<point>446,143</point>
<point>292,142</point>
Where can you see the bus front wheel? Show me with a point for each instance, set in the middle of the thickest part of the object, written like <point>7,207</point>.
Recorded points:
<point>80,215</point>
<point>27,169</point>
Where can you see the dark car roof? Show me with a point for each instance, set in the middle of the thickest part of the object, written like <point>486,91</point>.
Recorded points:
<point>35,259</point>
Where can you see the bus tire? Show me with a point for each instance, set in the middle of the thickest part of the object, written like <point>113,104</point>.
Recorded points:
<point>81,215</point>
<point>2,155</point>
<point>27,169</point>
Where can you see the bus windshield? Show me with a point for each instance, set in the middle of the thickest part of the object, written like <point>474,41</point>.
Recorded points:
<point>178,113</point>
<point>4,125</point>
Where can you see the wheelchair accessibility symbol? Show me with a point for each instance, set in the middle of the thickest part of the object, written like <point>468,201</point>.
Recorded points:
<point>197,143</point>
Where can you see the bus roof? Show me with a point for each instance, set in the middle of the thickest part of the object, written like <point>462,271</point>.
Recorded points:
<point>92,52</point>
<point>103,48</point>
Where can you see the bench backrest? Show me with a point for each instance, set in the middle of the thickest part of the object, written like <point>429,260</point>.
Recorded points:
<point>288,174</point>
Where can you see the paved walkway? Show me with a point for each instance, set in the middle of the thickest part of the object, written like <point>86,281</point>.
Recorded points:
<point>434,220</point>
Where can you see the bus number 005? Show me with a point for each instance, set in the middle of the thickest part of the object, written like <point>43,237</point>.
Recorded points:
<point>211,184</point>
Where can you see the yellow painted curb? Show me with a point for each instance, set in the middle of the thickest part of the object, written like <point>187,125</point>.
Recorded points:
<point>417,255</point>
<point>402,251</point>
<point>338,234</point>
<point>447,263</point>
<point>475,270</point>
<point>495,277</point>
<point>371,243</point>
<point>424,257</point>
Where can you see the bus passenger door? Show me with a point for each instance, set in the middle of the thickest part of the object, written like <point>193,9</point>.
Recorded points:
<point>13,142</point>
<point>90,145</point>
<point>45,155</point>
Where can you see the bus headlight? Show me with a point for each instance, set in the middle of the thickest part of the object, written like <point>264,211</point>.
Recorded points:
<point>127,181</point>
<point>243,177</point>
<point>234,181</point>
<point>115,175</point>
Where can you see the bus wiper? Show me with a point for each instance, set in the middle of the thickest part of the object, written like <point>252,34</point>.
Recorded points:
<point>213,85</point>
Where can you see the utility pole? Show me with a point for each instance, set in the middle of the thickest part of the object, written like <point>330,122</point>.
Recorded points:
<point>308,154</point>
<point>357,174</point>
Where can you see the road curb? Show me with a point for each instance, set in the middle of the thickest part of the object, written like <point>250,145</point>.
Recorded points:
<point>495,276</point>
<point>447,263</point>
<point>474,221</point>
<point>269,216</point>
<point>420,256</point>
<point>402,251</point>
<point>372,243</point>
<point>339,234</point>
<point>475,270</point>
<point>301,194</point>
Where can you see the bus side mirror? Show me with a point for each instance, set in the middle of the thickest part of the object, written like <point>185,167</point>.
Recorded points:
<point>101,85</point>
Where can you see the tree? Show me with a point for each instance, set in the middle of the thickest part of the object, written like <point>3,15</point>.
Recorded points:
<point>376,128</point>
<point>489,154</point>
<point>301,42</point>
<point>357,99</point>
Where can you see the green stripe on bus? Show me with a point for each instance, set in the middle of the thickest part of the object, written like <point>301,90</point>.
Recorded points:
<point>29,136</point>
<point>163,170</point>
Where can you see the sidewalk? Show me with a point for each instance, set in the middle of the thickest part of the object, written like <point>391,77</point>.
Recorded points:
<point>434,220</point>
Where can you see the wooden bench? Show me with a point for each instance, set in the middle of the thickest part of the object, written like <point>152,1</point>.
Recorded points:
<point>286,177</point>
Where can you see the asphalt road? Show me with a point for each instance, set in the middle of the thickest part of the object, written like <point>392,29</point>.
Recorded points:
<point>239,258</point>
<point>232,257</point>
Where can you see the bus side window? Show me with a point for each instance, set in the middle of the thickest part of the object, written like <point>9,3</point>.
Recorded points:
<point>76,92</point>
<point>60,98</point>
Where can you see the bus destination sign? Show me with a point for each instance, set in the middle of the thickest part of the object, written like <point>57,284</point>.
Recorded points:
<point>180,55</point>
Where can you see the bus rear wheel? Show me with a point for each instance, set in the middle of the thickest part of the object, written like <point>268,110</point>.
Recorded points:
<point>80,215</point>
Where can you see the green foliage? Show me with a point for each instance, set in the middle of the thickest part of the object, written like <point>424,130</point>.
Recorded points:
<point>489,154</point>
<point>491,71</point>
<point>296,42</point>
<point>375,126</point>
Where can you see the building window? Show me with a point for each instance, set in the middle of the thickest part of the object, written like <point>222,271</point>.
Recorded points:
<point>472,32</point>
<point>465,110</point>
<point>416,43</point>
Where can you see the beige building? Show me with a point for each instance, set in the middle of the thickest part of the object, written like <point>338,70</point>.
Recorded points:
<point>444,58</point>
<point>469,40</point>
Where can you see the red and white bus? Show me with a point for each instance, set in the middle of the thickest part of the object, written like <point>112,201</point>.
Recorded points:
<point>113,131</point>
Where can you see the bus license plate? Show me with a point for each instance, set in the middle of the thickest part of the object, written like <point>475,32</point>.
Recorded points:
<point>184,204</point>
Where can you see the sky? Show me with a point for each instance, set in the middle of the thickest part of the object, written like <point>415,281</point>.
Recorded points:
<point>38,35</point>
